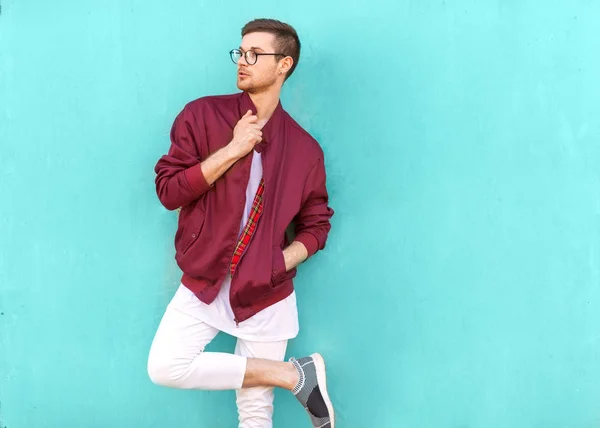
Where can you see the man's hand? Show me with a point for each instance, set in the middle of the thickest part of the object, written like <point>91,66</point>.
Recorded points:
<point>246,135</point>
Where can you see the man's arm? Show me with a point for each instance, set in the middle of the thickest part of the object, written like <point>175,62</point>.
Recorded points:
<point>218,163</point>
<point>246,135</point>
<point>294,255</point>
<point>312,222</point>
<point>181,178</point>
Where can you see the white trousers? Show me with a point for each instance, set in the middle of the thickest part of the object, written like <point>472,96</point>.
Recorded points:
<point>177,360</point>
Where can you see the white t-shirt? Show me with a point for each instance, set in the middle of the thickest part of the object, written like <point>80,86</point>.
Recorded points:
<point>275,323</point>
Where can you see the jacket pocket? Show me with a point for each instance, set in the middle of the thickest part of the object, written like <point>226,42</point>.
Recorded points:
<point>278,266</point>
<point>191,234</point>
<point>278,272</point>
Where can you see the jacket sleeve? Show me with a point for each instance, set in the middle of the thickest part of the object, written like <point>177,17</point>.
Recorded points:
<point>179,178</point>
<point>312,222</point>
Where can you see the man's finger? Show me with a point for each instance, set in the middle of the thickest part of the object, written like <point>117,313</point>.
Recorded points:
<point>261,123</point>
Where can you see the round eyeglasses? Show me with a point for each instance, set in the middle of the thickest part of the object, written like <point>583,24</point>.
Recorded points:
<point>250,56</point>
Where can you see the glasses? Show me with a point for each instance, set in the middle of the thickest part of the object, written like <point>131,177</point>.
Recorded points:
<point>250,56</point>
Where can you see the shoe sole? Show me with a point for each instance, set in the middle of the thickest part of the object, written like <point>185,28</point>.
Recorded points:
<point>322,379</point>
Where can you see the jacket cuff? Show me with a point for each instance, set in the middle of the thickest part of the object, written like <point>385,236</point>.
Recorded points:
<point>196,179</point>
<point>309,241</point>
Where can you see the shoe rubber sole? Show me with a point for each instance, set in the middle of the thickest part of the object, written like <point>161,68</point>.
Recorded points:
<point>322,379</point>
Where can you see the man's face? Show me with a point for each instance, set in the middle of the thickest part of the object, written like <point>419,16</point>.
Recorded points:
<point>264,74</point>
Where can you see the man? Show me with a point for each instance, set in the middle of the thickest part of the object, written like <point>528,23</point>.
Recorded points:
<point>242,170</point>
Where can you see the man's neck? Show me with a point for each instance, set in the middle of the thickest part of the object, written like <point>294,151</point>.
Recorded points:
<point>266,103</point>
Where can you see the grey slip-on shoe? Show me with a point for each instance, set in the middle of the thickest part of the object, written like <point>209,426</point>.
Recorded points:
<point>311,390</point>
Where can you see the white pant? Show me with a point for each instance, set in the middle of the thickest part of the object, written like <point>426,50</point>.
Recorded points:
<point>177,360</point>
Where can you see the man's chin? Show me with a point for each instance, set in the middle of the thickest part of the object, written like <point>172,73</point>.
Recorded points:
<point>243,86</point>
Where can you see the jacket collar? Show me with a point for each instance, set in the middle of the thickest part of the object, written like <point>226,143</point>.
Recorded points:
<point>271,128</point>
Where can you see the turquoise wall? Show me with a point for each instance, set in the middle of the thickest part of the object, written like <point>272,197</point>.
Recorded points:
<point>461,284</point>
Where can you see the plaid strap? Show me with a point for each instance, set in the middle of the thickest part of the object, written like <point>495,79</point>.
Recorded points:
<point>250,228</point>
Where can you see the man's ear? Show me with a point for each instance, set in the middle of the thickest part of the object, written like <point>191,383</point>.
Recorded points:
<point>287,64</point>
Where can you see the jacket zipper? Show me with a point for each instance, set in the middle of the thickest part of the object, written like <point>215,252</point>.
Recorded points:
<point>237,238</point>
<point>237,322</point>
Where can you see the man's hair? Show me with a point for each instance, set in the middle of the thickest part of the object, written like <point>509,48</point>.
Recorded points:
<point>286,38</point>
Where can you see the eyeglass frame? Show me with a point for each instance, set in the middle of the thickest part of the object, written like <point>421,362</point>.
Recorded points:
<point>257,54</point>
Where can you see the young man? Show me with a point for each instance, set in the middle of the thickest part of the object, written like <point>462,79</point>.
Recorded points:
<point>242,170</point>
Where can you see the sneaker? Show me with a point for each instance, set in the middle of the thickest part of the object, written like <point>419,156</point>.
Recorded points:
<point>311,390</point>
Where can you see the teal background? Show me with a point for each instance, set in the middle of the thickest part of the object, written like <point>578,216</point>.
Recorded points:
<point>460,287</point>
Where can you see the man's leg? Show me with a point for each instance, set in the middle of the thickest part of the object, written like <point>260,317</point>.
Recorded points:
<point>255,404</point>
<point>305,377</point>
<point>177,358</point>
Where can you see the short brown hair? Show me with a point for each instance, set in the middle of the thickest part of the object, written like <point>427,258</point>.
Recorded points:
<point>286,38</point>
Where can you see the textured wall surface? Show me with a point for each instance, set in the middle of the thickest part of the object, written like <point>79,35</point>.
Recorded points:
<point>461,284</point>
